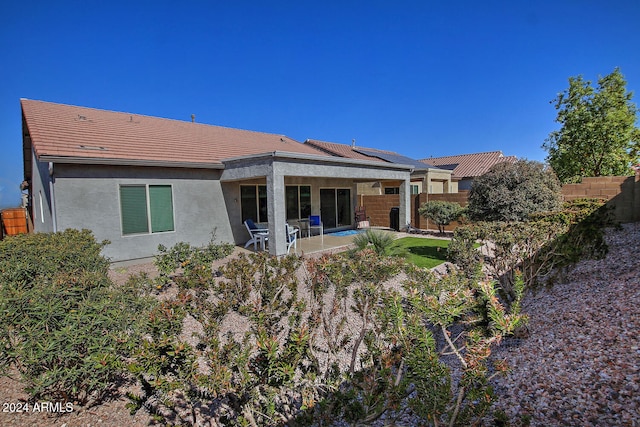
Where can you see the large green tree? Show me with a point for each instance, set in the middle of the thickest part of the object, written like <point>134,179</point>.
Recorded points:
<point>598,136</point>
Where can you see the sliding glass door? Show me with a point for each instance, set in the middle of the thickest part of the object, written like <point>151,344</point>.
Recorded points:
<point>335,207</point>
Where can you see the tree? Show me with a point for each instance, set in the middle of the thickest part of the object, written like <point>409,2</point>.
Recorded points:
<point>598,136</point>
<point>441,212</point>
<point>513,191</point>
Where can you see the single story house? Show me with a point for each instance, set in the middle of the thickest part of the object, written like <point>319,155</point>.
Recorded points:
<point>141,181</point>
<point>425,178</point>
<point>466,167</point>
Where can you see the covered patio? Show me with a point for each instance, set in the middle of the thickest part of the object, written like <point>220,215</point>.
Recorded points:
<point>276,172</point>
<point>317,244</point>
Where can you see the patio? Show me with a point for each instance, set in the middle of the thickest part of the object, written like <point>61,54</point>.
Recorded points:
<point>331,242</point>
<point>316,243</point>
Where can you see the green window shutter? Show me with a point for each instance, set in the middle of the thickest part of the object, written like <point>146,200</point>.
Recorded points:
<point>133,208</point>
<point>161,206</point>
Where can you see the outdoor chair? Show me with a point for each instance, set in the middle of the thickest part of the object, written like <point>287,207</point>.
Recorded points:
<point>256,234</point>
<point>292,237</point>
<point>316,223</point>
<point>362,221</point>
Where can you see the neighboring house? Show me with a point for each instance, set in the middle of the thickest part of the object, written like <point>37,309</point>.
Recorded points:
<point>141,181</point>
<point>466,167</point>
<point>425,178</point>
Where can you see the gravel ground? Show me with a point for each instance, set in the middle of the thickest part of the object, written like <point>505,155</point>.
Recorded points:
<point>580,366</point>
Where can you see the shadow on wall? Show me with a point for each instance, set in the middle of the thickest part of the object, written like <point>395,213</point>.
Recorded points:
<point>621,192</point>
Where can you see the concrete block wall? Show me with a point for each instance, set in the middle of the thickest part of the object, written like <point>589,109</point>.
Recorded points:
<point>378,208</point>
<point>462,197</point>
<point>622,192</point>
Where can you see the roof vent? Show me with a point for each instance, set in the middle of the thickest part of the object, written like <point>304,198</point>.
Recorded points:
<point>82,118</point>
<point>193,118</point>
<point>91,147</point>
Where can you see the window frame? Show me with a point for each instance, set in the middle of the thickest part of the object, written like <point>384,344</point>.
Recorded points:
<point>391,190</point>
<point>298,201</point>
<point>150,225</point>
<point>257,212</point>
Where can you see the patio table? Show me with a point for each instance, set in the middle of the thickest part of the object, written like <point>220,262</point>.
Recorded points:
<point>262,237</point>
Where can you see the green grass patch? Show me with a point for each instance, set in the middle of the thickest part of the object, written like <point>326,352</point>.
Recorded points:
<point>423,252</point>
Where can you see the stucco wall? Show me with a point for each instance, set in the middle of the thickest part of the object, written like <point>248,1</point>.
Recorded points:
<point>231,192</point>
<point>40,204</point>
<point>88,197</point>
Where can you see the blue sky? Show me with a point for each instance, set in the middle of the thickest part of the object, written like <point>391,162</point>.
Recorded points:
<point>422,78</point>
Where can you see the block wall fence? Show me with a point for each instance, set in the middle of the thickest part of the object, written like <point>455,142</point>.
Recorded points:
<point>621,192</point>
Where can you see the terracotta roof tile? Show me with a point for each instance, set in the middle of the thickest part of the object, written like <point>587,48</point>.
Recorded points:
<point>469,165</point>
<point>70,131</point>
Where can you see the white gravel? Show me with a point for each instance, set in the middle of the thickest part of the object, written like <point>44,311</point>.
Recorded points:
<point>581,364</point>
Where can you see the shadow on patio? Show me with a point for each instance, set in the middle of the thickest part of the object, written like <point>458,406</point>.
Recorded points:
<point>316,244</point>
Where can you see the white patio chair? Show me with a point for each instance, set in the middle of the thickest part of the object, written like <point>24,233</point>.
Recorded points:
<point>292,237</point>
<point>256,235</point>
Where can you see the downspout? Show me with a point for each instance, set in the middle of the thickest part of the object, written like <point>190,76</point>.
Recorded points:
<point>53,199</point>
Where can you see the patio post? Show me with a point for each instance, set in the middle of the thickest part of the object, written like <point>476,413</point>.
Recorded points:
<point>276,210</point>
<point>405,203</point>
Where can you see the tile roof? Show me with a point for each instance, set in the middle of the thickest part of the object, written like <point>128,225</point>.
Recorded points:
<point>469,165</point>
<point>61,131</point>
<point>394,158</point>
<point>341,150</point>
<point>364,153</point>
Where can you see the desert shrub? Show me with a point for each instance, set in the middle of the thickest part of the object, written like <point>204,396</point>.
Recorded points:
<point>462,250</point>
<point>322,340</point>
<point>540,249</point>
<point>514,191</point>
<point>402,347</point>
<point>261,376</point>
<point>64,326</point>
<point>28,258</point>
<point>441,212</point>
<point>194,262</point>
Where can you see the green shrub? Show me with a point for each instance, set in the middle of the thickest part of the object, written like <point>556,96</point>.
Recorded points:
<point>28,258</point>
<point>541,248</point>
<point>64,326</point>
<point>441,212</point>
<point>338,346</point>
<point>462,250</point>
<point>513,191</point>
<point>404,340</point>
<point>195,263</point>
<point>252,372</point>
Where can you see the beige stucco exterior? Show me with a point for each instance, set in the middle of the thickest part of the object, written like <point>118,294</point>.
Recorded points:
<point>433,181</point>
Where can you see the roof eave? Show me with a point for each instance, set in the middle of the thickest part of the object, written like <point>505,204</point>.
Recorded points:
<point>324,159</point>
<point>128,162</point>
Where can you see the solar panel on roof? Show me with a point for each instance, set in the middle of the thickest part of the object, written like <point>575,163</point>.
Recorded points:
<point>449,167</point>
<point>394,158</point>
